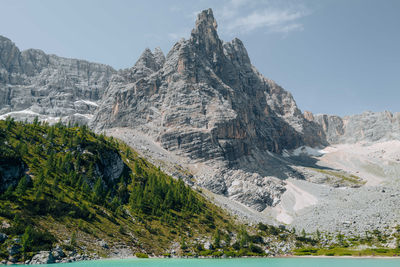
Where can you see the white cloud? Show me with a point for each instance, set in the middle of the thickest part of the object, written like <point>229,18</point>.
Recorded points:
<point>244,16</point>
<point>231,8</point>
<point>288,28</point>
<point>274,20</point>
<point>238,3</point>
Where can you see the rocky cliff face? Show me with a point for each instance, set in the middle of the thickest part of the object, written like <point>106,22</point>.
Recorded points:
<point>33,83</point>
<point>210,90</point>
<point>207,103</point>
<point>365,127</point>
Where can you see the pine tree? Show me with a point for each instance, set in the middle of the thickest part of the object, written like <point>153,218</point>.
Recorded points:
<point>90,172</point>
<point>26,239</point>
<point>217,238</point>
<point>10,123</point>
<point>243,237</point>
<point>22,186</point>
<point>98,191</point>
<point>36,122</point>
<point>50,164</point>
<point>318,235</point>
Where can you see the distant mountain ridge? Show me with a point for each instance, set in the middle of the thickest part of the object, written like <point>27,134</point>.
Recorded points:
<point>33,83</point>
<point>365,127</point>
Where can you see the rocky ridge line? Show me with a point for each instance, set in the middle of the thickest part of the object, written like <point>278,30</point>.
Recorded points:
<point>33,83</point>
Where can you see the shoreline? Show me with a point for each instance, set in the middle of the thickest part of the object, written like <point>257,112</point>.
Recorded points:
<point>254,257</point>
<point>340,257</point>
<point>217,258</point>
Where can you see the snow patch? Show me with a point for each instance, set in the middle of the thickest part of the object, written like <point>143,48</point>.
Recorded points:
<point>87,116</point>
<point>25,111</point>
<point>310,151</point>
<point>87,102</point>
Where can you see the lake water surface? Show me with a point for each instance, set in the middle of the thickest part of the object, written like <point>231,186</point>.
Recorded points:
<point>243,262</point>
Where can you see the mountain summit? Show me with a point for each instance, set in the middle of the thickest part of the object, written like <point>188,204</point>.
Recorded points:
<point>208,104</point>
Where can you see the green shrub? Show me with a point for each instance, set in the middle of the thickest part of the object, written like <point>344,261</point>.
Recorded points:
<point>262,227</point>
<point>205,253</point>
<point>256,249</point>
<point>381,250</point>
<point>141,255</point>
<point>217,253</point>
<point>308,250</point>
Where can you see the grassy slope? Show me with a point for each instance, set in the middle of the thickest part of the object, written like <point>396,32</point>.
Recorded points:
<point>341,177</point>
<point>61,204</point>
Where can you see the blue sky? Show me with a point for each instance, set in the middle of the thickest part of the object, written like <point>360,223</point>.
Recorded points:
<point>335,56</point>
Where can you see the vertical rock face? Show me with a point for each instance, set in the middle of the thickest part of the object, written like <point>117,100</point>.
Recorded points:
<point>365,127</point>
<point>210,89</point>
<point>33,83</point>
<point>207,103</point>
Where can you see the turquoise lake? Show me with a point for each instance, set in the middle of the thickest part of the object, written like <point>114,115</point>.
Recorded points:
<point>247,262</point>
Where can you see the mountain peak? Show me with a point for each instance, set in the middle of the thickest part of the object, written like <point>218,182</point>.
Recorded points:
<point>206,25</point>
<point>206,17</point>
<point>205,37</point>
<point>159,56</point>
<point>147,60</point>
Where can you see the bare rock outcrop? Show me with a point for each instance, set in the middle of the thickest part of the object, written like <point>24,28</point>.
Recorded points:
<point>33,83</point>
<point>365,127</point>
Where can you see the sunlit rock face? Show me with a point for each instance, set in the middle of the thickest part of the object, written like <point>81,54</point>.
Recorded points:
<point>365,127</point>
<point>207,103</point>
<point>33,83</point>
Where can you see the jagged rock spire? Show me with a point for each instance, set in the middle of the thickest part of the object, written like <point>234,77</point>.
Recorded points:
<point>205,37</point>
<point>9,55</point>
<point>147,60</point>
<point>153,61</point>
<point>159,56</point>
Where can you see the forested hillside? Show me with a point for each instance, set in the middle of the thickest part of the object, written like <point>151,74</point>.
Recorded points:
<point>87,193</point>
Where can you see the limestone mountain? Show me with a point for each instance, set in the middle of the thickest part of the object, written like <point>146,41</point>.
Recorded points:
<point>367,127</point>
<point>33,83</point>
<point>207,103</point>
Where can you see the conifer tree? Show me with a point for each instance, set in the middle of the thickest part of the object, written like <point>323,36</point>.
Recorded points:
<point>26,239</point>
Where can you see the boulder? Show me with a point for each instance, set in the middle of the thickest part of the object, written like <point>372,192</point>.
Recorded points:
<point>43,257</point>
<point>57,253</point>
<point>103,244</point>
